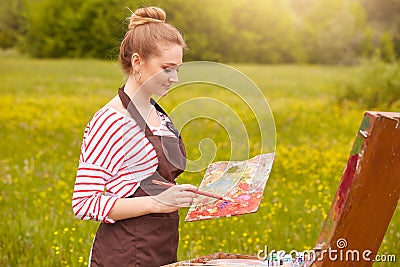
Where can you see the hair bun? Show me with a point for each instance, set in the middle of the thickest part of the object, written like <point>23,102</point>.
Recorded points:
<point>146,15</point>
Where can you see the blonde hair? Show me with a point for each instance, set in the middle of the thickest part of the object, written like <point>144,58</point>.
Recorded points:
<point>148,33</point>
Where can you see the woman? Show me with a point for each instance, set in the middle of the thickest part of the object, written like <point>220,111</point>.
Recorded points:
<point>127,144</point>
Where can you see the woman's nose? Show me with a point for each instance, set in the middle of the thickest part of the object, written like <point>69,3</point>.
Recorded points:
<point>173,77</point>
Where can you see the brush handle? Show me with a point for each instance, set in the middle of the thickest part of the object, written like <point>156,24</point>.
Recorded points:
<point>190,190</point>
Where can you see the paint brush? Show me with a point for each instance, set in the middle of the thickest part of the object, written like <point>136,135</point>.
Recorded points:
<point>191,190</point>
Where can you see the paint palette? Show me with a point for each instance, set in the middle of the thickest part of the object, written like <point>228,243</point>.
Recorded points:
<point>241,182</point>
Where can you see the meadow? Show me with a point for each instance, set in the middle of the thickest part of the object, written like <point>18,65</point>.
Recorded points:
<point>46,104</point>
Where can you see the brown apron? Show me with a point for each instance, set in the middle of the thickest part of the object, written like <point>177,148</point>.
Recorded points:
<point>151,239</point>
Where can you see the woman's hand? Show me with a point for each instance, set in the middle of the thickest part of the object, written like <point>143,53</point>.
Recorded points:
<point>174,198</point>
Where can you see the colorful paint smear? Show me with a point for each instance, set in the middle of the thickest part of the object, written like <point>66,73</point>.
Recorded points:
<point>242,182</point>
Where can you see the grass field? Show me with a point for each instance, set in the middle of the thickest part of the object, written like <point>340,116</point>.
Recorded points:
<point>45,105</point>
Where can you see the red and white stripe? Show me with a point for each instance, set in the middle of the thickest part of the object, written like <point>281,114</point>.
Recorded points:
<point>115,157</point>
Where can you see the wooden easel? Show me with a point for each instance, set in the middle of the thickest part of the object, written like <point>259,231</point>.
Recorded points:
<point>365,200</point>
<point>367,196</point>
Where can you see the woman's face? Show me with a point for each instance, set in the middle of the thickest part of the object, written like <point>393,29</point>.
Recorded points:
<point>159,72</point>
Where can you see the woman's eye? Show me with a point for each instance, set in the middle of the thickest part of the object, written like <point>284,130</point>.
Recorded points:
<point>172,68</point>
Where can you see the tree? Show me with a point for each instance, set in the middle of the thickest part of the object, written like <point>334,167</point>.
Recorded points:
<point>12,22</point>
<point>75,28</point>
<point>384,17</point>
<point>333,31</point>
<point>265,32</point>
<point>206,25</point>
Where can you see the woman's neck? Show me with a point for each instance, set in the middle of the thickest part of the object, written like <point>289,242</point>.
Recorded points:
<point>141,99</point>
<point>139,96</point>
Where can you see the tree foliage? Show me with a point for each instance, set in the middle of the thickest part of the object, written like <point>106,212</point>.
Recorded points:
<point>12,22</point>
<point>383,16</point>
<point>376,83</point>
<point>75,28</point>
<point>260,31</point>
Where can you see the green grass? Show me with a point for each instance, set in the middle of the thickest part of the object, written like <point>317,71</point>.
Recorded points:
<point>45,105</point>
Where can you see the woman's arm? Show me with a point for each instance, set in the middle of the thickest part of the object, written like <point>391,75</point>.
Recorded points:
<point>168,201</point>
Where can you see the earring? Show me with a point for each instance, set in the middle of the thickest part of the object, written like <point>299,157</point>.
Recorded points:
<point>140,76</point>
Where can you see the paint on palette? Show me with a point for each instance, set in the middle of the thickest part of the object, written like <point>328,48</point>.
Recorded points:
<point>241,182</point>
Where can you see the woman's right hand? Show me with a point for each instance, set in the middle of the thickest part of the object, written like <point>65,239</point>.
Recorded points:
<point>174,198</point>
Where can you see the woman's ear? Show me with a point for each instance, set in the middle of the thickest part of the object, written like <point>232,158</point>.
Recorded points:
<point>136,62</point>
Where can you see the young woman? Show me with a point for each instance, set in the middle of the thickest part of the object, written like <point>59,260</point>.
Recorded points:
<point>127,144</point>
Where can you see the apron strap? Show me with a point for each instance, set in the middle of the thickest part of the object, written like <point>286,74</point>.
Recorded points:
<point>126,101</point>
<point>157,106</point>
<point>169,125</point>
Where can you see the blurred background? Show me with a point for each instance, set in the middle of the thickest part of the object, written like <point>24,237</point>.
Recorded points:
<point>320,64</point>
<point>267,31</point>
